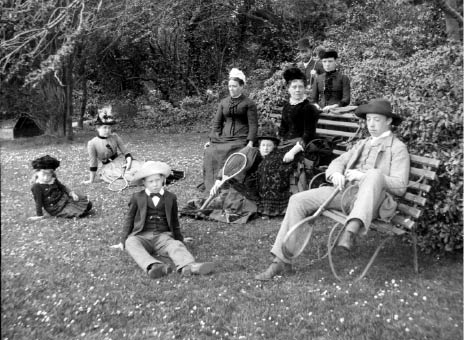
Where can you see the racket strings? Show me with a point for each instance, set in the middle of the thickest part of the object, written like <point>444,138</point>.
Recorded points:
<point>235,163</point>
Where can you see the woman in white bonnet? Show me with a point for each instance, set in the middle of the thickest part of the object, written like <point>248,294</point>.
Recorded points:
<point>235,126</point>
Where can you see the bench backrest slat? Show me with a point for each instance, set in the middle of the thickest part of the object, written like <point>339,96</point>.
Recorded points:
<point>432,162</point>
<point>405,222</point>
<point>419,186</point>
<point>344,124</point>
<point>408,210</point>
<point>415,199</point>
<point>329,132</point>
<point>427,174</point>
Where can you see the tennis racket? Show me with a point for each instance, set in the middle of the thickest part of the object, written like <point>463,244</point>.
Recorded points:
<point>234,164</point>
<point>300,234</point>
<point>120,183</point>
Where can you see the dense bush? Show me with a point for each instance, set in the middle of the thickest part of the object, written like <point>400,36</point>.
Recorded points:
<point>401,55</point>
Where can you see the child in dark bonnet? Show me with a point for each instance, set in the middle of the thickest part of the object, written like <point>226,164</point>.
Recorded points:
<point>51,195</point>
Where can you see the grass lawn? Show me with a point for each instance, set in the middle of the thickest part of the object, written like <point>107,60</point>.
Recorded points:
<point>61,280</point>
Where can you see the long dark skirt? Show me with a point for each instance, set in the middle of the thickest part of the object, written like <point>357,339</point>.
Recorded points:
<point>71,208</point>
<point>214,158</point>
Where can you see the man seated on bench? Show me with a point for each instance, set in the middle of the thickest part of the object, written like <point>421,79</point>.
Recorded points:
<point>378,164</point>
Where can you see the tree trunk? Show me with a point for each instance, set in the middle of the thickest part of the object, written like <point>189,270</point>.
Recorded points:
<point>68,107</point>
<point>453,32</point>
<point>53,97</point>
<point>80,123</point>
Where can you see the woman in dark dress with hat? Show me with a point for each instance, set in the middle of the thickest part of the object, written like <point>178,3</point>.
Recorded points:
<point>299,117</point>
<point>298,124</point>
<point>235,126</point>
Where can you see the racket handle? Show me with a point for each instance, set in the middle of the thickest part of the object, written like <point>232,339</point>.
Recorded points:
<point>207,202</point>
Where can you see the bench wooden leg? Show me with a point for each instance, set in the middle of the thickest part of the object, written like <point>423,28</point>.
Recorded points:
<point>332,243</point>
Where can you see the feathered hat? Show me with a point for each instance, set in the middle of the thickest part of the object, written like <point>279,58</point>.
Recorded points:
<point>105,116</point>
<point>268,130</point>
<point>236,73</point>
<point>45,163</point>
<point>292,74</point>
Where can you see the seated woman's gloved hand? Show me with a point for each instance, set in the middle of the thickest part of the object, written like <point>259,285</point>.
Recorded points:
<point>214,190</point>
<point>290,155</point>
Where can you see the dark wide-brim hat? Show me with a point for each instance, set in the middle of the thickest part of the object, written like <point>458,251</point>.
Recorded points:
<point>378,106</point>
<point>304,44</point>
<point>45,163</point>
<point>268,130</point>
<point>275,139</point>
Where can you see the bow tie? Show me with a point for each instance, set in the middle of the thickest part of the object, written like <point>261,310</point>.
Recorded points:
<point>157,195</point>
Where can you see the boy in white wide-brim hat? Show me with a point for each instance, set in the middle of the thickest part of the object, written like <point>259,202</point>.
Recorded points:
<point>152,226</point>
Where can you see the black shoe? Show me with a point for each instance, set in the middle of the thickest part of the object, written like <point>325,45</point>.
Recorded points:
<point>346,240</point>
<point>276,268</point>
<point>158,270</point>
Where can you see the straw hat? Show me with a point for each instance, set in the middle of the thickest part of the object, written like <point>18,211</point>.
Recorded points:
<point>152,168</point>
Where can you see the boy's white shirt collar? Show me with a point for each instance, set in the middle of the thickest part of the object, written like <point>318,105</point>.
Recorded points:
<point>385,134</point>
<point>155,199</point>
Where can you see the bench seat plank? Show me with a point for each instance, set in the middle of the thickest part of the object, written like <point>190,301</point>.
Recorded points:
<point>398,219</point>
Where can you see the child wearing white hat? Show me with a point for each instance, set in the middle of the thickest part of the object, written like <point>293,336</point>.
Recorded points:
<point>151,226</point>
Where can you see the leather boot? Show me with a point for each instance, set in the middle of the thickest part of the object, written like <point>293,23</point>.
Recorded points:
<point>198,268</point>
<point>158,270</point>
<point>347,238</point>
<point>276,267</point>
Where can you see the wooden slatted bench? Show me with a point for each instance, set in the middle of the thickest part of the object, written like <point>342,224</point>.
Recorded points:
<point>411,205</point>
<point>344,125</point>
<point>409,212</point>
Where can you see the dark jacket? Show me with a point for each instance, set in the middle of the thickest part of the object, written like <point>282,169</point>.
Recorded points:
<point>134,220</point>
<point>299,121</point>
<point>312,65</point>
<point>341,91</point>
<point>241,125</point>
<point>52,197</point>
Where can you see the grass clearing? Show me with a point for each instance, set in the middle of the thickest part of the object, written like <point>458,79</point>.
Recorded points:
<point>60,279</point>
